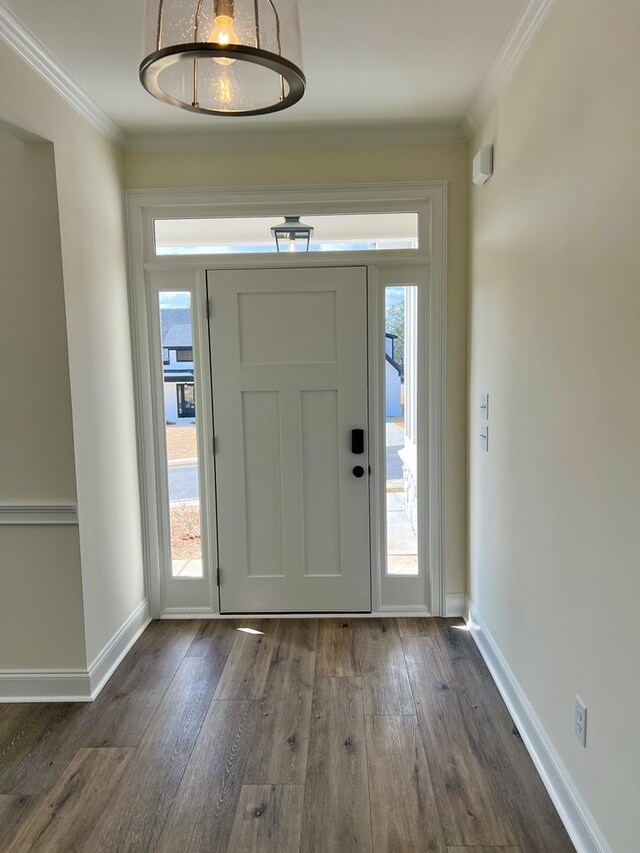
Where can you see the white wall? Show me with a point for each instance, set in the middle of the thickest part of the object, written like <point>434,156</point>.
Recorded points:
<point>41,620</point>
<point>88,178</point>
<point>41,613</point>
<point>555,340</point>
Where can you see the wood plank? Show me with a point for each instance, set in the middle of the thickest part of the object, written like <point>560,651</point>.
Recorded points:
<point>336,648</point>
<point>125,718</point>
<point>418,626</point>
<point>42,739</point>
<point>459,640</point>
<point>26,730</point>
<point>404,813</point>
<point>203,810</point>
<point>336,806</point>
<point>483,850</point>
<point>525,799</point>
<point>134,818</point>
<point>247,668</point>
<point>69,813</point>
<point>279,755</point>
<point>268,819</point>
<point>382,667</point>
<point>470,808</point>
<point>15,810</point>
<point>215,637</point>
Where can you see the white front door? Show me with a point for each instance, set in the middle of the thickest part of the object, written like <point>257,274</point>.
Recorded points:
<point>289,370</point>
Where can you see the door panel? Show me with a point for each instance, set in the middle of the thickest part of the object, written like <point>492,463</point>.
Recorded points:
<point>321,495</point>
<point>289,368</point>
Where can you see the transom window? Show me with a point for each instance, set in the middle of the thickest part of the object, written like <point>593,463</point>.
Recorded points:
<point>352,232</point>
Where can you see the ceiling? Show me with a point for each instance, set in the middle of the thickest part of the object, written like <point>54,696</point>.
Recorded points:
<point>368,63</point>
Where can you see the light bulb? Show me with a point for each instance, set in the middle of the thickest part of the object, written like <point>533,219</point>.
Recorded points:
<point>223,34</point>
<point>292,243</point>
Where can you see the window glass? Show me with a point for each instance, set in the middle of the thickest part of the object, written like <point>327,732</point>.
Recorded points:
<point>181,425</point>
<point>338,233</point>
<point>401,412</point>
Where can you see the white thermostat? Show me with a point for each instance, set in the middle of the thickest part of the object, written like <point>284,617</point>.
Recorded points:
<point>483,165</point>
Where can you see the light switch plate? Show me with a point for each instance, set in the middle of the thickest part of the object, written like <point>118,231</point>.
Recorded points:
<point>484,436</point>
<point>580,723</point>
<point>484,405</point>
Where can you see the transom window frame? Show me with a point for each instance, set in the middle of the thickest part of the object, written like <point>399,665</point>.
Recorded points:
<point>429,201</point>
<point>319,242</point>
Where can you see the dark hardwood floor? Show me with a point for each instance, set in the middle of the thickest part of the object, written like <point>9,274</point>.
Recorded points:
<point>316,735</point>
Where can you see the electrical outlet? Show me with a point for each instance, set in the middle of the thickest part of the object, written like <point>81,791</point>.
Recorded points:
<point>581,721</point>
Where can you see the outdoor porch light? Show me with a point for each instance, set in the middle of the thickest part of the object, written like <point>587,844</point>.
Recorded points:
<point>223,57</point>
<point>291,234</point>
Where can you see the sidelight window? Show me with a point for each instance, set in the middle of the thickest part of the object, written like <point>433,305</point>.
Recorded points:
<point>181,431</point>
<point>401,416</point>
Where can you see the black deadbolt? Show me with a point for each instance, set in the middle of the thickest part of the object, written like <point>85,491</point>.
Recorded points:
<point>358,471</point>
<point>357,441</point>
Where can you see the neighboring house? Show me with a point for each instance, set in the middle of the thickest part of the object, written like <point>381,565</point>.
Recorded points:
<point>177,360</point>
<point>393,378</point>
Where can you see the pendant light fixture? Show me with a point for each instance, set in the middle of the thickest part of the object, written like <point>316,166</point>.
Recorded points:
<point>223,57</point>
<point>291,234</point>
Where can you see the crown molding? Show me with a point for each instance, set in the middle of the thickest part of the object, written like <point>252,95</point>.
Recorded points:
<point>312,135</point>
<point>35,54</point>
<point>517,44</point>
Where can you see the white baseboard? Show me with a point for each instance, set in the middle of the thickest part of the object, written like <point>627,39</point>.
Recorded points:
<point>44,685</point>
<point>75,685</point>
<point>575,815</point>
<point>106,662</point>
<point>455,604</point>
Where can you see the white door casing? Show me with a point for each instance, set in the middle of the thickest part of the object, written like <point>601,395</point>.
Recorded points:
<point>289,371</point>
<point>186,597</point>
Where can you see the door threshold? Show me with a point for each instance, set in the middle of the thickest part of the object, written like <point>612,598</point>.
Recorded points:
<point>279,614</point>
<point>356,614</point>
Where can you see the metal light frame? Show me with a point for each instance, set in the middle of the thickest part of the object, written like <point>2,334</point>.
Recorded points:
<point>163,57</point>
<point>292,230</point>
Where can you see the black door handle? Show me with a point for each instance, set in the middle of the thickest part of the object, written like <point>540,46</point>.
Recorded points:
<point>358,471</point>
<point>357,441</point>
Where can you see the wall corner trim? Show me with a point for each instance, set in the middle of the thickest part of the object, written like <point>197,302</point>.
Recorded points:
<point>575,815</point>
<point>533,16</point>
<point>75,685</point>
<point>36,55</point>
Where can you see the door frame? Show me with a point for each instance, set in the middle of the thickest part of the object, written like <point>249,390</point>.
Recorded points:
<point>429,200</point>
